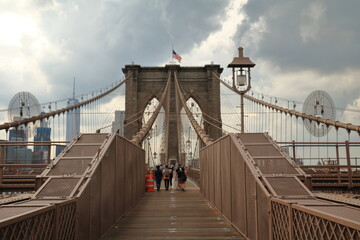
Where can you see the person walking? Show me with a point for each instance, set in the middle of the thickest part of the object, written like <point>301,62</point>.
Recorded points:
<point>171,167</point>
<point>158,177</point>
<point>166,173</point>
<point>181,177</point>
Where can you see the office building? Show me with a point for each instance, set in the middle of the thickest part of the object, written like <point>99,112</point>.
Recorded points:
<point>118,124</point>
<point>72,119</point>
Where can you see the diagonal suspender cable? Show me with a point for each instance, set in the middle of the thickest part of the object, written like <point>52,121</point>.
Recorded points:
<point>167,124</point>
<point>214,119</point>
<point>199,131</point>
<point>337,124</point>
<point>179,129</point>
<point>139,136</point>
<point>57,112</point>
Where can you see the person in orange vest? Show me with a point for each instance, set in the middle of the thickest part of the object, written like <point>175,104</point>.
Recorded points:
<point>158,177</point>
<point>166,174</point>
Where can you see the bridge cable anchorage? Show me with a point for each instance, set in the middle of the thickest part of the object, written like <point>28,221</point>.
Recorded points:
<point>199,131</point>
<point>337,124</point>
<point>140,135</point>
<point>63,110</point>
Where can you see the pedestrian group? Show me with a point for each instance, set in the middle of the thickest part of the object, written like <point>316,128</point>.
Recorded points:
<point>166,173</point>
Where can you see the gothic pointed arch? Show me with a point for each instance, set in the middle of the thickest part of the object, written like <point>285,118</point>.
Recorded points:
<point>196,82</point>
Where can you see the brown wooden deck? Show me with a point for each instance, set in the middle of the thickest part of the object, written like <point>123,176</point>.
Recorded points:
<point>173,215</point>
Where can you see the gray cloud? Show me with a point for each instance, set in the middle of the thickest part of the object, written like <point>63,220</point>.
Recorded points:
<point>98,38</point>
<point>306,34</point>
<point>316,40</point>
<point>92,40</point>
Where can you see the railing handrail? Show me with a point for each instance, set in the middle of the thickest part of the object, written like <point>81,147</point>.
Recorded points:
<point>337,124</point>
<point>33,119</point>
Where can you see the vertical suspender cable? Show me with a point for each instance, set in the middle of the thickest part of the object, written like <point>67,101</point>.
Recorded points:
<point>281,127</point>
<point>58,116</point>
<point>319,148</point>
<point>64,127</point>
<point>327,144</point>
<point>303,137</point>
<point>310,142</point>
<point>291,128</point>
<point>286,117</point>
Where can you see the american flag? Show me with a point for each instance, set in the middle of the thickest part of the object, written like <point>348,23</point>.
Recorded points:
<point>176,56</point>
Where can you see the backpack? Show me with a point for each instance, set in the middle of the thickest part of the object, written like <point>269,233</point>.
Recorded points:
<point>167,172</point>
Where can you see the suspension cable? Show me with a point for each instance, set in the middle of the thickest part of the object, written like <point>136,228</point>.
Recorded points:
<point>139,136</point>
<point>56,112</point>
<point>337,124</point>
<point>219,122</point>
<point>199,131</point>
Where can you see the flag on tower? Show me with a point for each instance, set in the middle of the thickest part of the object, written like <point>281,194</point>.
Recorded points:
<point>176,56</point>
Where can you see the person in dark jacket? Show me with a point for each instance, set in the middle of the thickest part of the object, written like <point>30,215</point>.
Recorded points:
<point>181,177</point>
<point>158,177</point>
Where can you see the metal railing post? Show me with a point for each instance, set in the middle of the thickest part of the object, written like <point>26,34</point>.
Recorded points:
<point>1,162</point>
<point>49,154</point>
<point>348,163</point>
<point>338,163</point>
<point>293,145</point>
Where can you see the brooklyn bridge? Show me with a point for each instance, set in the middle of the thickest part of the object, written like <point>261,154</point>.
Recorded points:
<point>259,166</point>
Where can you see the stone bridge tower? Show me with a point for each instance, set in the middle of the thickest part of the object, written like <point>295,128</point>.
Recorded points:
<point>198,83</point>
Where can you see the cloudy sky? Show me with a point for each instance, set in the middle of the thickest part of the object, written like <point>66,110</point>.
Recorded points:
<point>298,46</point>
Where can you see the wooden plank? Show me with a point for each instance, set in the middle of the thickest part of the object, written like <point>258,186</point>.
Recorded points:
<point>174,215</point>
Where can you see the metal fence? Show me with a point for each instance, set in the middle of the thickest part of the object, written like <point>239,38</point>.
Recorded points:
<point>21,162</point>
<point>92,183</point>
<point>116,186</point>
<point>313,219</point>
<point>40,220</point>
<point>194,174</point>
<point>233,187</point>
<point>331,164</point>
<point>255,185</point>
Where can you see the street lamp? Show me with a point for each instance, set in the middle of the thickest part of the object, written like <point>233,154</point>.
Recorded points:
<point>243,78</point>
<point>148,137</point>
<point>188,142</point>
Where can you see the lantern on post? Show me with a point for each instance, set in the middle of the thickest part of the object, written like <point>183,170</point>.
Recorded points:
<point>241,65</point>
<point>241,78</point>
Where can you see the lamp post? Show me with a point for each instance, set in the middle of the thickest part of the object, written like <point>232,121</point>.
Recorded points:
<point>241,77</point>
<point>188,142</point>
<point>148,137</point>
<point>155,153</point>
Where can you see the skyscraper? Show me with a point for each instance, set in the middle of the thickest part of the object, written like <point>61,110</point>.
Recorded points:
<point>18,153</point>
<point>72,118</point>
<point>43,133</point>
<point>118,124</point>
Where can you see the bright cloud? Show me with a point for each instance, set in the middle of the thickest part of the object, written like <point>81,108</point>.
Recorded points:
<point>218,46</point>
<point>14,27</point>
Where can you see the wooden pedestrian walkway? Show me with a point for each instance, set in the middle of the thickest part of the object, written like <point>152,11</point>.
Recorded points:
<point>174,215</point>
